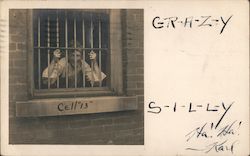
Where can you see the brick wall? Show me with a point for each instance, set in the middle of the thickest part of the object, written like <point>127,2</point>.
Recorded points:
<point>103,128</point>
<point>133,53</point>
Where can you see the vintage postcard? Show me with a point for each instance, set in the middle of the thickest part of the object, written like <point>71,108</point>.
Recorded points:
<point>124,78</point>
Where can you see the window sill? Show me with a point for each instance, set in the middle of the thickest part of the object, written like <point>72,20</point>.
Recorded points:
<point>70,106</point>
<point>72,92</point>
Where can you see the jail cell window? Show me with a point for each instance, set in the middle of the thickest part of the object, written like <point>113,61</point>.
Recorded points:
<point>71,49</point>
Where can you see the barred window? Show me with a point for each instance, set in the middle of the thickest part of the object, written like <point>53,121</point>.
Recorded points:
<point>71,50</point>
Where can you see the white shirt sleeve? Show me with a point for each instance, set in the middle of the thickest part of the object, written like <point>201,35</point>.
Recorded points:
<point>55,69</point>
<point>96,74</point>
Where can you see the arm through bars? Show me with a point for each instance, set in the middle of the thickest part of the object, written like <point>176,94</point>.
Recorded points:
<point>55,69</point>
<point>93,74</point>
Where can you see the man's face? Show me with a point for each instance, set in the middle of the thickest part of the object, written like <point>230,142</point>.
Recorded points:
<point>92,55</point>
<point>72,57</point>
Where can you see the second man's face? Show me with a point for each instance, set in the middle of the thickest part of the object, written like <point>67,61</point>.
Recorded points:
<point>92,55</point>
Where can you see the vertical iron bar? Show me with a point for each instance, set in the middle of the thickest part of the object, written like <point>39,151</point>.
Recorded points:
<point>57,41</point>
<point>66,50</point>
<point>83,53</point>
<point>48,45</point>
<point>100,53</point>
<point>92,45</point>
<point>75,52</point>
<point>39,54</point>
<point>91,32</point>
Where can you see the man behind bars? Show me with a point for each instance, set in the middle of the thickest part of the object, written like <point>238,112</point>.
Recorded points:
<point>57,70</point>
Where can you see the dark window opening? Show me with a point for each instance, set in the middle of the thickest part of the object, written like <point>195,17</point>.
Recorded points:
<point>71,49</point>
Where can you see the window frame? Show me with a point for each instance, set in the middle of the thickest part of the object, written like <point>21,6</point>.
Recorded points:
<point>115,50</point>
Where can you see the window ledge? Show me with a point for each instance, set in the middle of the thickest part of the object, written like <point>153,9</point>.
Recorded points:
<point>70,106</point>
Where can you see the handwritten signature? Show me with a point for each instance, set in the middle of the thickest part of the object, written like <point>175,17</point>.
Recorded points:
<point>215,130</point>
<point>218,147</point>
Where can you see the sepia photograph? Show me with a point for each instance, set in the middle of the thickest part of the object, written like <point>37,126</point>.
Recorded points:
<point>76,76</point>
<point>124,78</point>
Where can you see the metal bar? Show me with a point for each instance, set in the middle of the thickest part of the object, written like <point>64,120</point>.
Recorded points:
<point>75,52</point>
<point>57,41</point>
<point>83,53</point>
<point>91,33</point>
<point>39,54</point>
<point>48,45</point>
<point>66,50</point>
<point>91,45</point>
<point>71,48</point>
<point>62,90</point>
<point>100,53</point>
<point>57,31</point>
